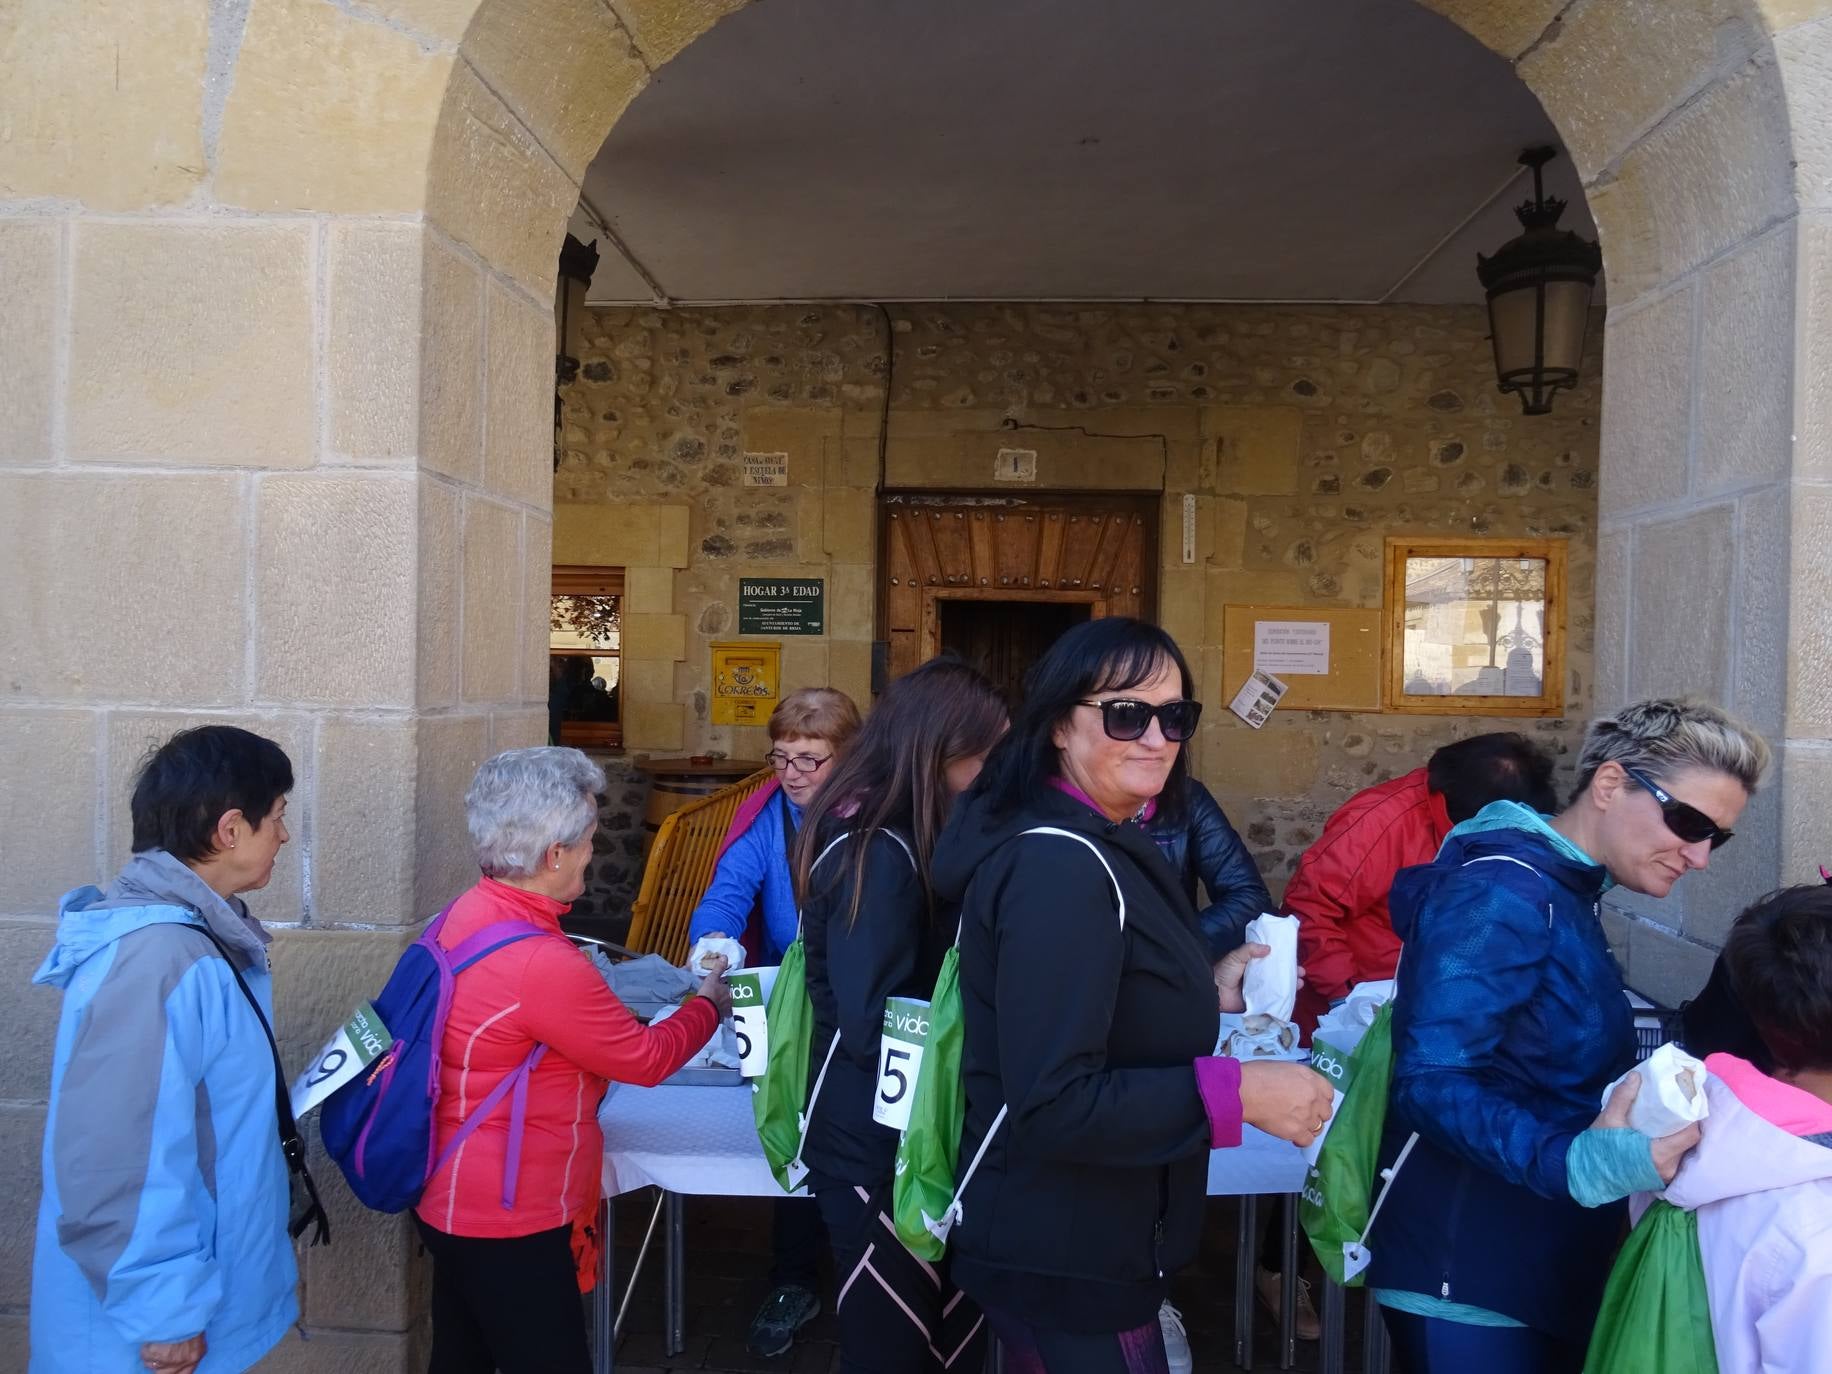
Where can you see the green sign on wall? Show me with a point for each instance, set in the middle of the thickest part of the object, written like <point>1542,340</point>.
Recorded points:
<point>782,606</point>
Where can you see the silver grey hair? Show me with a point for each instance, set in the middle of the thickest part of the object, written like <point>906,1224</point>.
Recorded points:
<point>1661,738</point>
<point>524,800</point>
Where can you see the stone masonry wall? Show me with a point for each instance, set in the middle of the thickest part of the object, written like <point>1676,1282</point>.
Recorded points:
<point>1307,434</point>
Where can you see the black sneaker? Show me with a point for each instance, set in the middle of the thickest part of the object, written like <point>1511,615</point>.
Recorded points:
<point>787,1310</point>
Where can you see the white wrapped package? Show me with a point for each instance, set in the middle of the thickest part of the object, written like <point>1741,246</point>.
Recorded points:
<point>1672,1095</point>
<point>1343,1026</point>
<point>1271,984</point>
<point>715,944</point>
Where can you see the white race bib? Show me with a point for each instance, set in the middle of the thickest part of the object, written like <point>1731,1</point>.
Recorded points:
<point>750,1019</point>
<point>900,1051</point>
<point>359,1042</point>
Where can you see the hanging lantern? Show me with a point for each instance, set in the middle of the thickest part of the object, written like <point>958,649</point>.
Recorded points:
<point>577,263</point>
<point>1539,288</point>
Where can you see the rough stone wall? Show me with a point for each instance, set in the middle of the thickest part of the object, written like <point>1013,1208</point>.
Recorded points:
<point>1307,434</point>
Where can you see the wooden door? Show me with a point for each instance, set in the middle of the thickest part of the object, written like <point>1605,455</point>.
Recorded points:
<point>1097,550</point>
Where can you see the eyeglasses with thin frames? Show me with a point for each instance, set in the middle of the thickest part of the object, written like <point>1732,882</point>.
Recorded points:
<point>1686,821</point>
<point>800,763</point>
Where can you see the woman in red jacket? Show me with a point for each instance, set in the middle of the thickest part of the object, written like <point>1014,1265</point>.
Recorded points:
<point>497,1218</point>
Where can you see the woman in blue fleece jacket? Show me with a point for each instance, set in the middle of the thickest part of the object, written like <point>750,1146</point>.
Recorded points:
<point>1492,1249</point>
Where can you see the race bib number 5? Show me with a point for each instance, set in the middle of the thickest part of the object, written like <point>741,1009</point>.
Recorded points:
<point>900,1050</point>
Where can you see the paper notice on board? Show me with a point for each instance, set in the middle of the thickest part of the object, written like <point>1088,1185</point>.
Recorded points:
<point>1291,646</point>
<point>1255,701</point>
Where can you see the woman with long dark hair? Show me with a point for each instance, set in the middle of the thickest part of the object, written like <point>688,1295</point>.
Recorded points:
<point>1092,1010</point>
<point>873,929</point>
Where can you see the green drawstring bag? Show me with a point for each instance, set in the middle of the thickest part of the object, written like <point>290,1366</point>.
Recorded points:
<point>1656,1318</point>
<point>1334,1206</point>
<point>922,1194</point>
<point>780,1091</point>
<point>925,1199</point>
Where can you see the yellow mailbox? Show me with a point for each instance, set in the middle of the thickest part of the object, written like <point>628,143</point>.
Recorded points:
<point>746,682</point>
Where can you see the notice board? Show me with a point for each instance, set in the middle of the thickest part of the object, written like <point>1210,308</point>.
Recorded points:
<point>1346,640</point>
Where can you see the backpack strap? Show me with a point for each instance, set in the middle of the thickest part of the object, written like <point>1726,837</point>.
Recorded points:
<point>939,1228</point>
<point>1518,863</point>
<point>291,1146</point>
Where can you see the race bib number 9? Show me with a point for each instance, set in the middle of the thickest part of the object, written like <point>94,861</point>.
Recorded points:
<point>750,1021</point>
<point>900,1050</point>
<point>359,1042</point>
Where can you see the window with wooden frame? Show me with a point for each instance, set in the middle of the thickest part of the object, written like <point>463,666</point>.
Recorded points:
<point>584,664</point>
<point>1476,627</point>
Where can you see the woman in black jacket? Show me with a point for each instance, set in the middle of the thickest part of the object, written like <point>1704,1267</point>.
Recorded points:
<point>1091,1012</point>
<point>873,929</point>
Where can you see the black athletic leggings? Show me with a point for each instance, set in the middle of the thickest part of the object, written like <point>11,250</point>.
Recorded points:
<point>510,1304</point>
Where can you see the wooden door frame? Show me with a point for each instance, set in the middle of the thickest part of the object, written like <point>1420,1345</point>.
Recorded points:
<point>932,597</point>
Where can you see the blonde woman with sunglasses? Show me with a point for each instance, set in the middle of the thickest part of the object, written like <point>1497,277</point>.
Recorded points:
<point>1492,1251</point>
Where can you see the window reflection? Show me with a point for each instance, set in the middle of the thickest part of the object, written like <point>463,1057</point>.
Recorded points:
<point>1475,627</point>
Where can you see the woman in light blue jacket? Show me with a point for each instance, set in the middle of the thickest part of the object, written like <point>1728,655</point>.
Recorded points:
<point>162,1235</point>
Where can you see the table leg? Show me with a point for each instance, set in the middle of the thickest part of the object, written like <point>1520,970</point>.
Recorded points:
<point>1288,1288</point>
<point>1246,1251</point>
<point>604,1331</point>
<point>1374,1353</point>
<point>676,1273</point>
<point>1335,1316</point>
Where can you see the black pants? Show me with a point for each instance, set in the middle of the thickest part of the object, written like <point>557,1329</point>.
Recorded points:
<point>897,1314</point>
<point>796,1241</point>
<point>506,1304</point>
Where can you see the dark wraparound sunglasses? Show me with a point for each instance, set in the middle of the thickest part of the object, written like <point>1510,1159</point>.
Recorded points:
<point>1687,822</point>
<point>1126,718</point>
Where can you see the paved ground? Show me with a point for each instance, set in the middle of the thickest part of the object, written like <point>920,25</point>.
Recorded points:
<point>728,1265</point>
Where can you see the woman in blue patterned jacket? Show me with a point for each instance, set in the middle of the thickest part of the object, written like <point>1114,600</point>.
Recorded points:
<point>1493,1247</point>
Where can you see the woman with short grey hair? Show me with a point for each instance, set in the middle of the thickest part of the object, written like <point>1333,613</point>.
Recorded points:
<point>1508,1024</point>
<point>534,1014</point>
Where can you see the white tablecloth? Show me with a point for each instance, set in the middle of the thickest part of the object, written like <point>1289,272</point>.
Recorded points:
<point>703,1141</point>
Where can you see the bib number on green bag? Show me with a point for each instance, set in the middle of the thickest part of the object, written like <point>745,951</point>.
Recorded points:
<point>750,1019</point>
<point>900,1050</point>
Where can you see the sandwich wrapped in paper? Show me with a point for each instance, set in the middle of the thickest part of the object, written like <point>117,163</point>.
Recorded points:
<point>715,947</point>
<point>1270,990</point>
<point>1672,1095</point>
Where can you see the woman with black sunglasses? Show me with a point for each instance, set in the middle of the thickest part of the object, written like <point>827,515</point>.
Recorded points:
<point>1509,1022</point>
<point>1091,1014</point>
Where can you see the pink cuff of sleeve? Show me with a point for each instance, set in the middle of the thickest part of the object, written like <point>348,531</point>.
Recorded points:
<point>1218,1080</point>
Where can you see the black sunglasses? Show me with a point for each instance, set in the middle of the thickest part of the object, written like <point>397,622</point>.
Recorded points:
<point>1687,822</point>
<point>1127,718</point>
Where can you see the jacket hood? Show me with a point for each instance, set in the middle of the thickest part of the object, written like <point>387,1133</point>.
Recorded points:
<point>153,889</point>
<point>1504,830</point>
<point>1753,1140</point>
<point>975,830</point>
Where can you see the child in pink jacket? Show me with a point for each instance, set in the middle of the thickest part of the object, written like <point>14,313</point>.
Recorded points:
<point>1760,1179</point>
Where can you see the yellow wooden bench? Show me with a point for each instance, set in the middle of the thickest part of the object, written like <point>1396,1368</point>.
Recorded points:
<point>680,868</point>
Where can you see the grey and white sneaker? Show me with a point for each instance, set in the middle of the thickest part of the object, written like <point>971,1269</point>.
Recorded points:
<point>1176,1340</point>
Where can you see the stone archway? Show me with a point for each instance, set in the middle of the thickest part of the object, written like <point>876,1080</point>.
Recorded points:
<point>274,393</point>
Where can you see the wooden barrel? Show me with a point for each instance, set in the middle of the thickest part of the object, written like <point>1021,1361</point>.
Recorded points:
<point>675,782</point>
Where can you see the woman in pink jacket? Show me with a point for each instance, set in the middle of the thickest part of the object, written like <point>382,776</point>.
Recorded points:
<point>1761,1177</point>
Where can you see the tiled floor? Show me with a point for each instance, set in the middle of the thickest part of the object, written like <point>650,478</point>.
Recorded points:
<point>727,1272</point>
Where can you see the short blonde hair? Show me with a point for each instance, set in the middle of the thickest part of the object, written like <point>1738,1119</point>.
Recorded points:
<point>816,713</point>
<point>1664,737</point>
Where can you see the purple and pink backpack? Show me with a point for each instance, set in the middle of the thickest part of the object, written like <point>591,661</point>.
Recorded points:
<point>379,1127</point>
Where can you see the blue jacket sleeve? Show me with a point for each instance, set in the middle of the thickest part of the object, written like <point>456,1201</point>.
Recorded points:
<point>134,1169</point>
<point>1473,961</point>
<point>736,884</point>
<point>1237,893</point>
